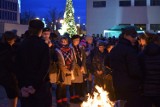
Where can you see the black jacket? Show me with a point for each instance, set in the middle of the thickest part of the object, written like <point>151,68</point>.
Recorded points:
<point>151,67</point>
<point>7,67</point>
<point>125,69</point>
<point>32,62</point>
<point>53,60</point>
<point>98,60</point>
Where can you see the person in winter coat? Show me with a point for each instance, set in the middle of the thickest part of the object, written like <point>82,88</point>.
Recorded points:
<point>109,47</point>
<point>76,90</point>
<point>108,79</point>
<point>46,36</point>
<point>98,64</point>
<point>33,61</point>
<point>89,56</point>
<point>7,68</point>
<point>126,73</point>
<point>150,60</point>
<point>53,68</point>
<point>66,63</point>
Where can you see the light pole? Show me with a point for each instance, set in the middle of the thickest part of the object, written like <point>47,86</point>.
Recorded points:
<point>61,21</point>
<point>37,18</point>
<point>79,20</point>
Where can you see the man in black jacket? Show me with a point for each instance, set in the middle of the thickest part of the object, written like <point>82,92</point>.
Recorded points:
<point>127,76</point>
<point>33,64</point>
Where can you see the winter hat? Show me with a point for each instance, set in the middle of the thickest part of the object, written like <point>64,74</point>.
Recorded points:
<point>101,43</point>
<point>46,29</point>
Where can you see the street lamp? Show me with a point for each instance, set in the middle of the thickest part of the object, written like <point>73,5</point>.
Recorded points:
<point>61,21</point>
<point>37,18</point>
<point>79,20</point>
<point>78,25</point>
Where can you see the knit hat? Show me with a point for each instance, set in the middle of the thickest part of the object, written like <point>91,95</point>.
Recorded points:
<point>46,29</point>
<point>101,43</point>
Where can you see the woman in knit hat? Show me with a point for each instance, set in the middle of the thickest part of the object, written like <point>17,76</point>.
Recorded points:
<point>80,69</point>
<point>66,64</point>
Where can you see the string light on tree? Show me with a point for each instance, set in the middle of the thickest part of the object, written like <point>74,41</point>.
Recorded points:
<point>69,20</point>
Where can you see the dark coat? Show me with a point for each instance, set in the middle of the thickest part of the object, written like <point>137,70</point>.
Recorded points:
<point>7,68</point>
<point>53,61</point>
<point>32,62</point>
<point>151,67</point>
<point>53,68</point>
<point>125,69</point>
<point>98,60</point>
<point>89,50</point>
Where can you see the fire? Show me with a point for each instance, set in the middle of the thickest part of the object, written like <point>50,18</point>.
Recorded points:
<point>99,99</point>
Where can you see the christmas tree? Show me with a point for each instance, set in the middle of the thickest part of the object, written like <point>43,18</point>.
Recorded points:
<point>69,20</point>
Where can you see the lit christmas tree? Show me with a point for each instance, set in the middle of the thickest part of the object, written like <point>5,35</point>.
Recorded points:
<point>69,21</point>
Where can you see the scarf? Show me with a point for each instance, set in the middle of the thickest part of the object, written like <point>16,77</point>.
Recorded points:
<point>78,55</point>
<point>66,51</point>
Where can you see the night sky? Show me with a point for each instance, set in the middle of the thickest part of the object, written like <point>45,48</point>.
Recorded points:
<point>41,7</point>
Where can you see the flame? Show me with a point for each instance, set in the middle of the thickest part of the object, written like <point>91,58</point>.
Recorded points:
<point>99,99</point>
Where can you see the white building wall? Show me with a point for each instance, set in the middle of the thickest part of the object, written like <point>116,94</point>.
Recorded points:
<point>132,15</point>
<point>17,27</point>
<point>154,14</point>
<point>100,19</point>
<point>18,13</point>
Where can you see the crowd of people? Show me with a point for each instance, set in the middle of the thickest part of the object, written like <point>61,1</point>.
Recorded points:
<point>39,63</point>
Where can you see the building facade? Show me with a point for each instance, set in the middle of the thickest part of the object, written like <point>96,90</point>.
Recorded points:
<point>10,17</point>
<point>9,11</point>
<point>104,14</point>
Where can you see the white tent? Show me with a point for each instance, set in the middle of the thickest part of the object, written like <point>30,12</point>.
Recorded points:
<point>116,31</point>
